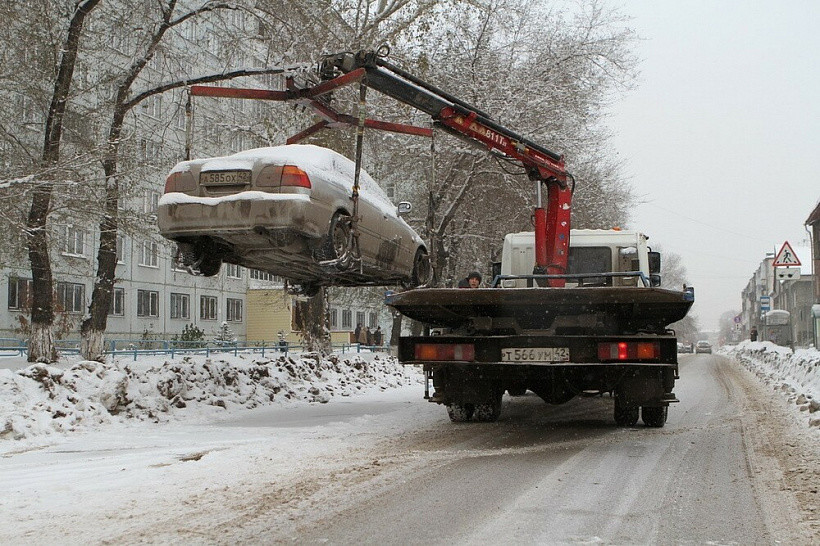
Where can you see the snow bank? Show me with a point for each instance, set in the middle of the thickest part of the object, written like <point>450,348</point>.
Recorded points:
<point>796,374</point>
<point>41,399</point>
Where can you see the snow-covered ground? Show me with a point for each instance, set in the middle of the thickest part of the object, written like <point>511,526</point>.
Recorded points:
<point>136,451</point>
<point>794,374</point>
<point>38,401</point>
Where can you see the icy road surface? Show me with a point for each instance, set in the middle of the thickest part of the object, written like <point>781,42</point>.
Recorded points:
<point>389,468</point>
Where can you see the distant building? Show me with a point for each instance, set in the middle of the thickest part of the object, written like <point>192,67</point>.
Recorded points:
<point>813,224</point>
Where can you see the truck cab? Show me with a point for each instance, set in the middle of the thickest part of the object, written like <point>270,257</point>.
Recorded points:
<point>598,252</point>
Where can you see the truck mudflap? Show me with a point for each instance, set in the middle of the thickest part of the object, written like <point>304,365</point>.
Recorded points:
<point>623,308</point>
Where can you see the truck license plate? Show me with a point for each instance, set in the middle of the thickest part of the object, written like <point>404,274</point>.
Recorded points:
<point>535,354</point>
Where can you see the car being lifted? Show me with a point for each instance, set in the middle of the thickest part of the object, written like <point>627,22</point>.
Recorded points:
<point>287,210</point>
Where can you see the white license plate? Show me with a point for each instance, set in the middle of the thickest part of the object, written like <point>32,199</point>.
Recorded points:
<point>225,178</point>
<point>535,354</point>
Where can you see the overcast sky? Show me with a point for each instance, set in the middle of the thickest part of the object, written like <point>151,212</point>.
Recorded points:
<point>721,136</point>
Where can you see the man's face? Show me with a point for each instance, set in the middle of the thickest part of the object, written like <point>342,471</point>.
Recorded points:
<point>474,282</point>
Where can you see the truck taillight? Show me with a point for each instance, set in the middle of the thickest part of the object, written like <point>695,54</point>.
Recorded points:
<point>445,351</point>
<point>629,350</point>
<point>181,181</point>
<point>294,176</point>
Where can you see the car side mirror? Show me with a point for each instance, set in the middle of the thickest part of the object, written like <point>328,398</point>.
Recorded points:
<point>404,207</point>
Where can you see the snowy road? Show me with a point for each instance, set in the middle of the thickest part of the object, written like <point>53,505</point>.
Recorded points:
<point>389,468</point>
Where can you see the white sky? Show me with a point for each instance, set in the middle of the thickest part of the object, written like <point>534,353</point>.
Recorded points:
<point>721,137</point>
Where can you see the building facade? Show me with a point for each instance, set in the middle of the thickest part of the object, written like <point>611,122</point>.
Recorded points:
<point>813,225</point>
<point>153,298</point>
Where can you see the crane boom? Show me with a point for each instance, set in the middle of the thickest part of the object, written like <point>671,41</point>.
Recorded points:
<point>544,167</point>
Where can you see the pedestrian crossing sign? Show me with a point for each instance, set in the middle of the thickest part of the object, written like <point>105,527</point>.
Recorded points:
<point>786,257</point>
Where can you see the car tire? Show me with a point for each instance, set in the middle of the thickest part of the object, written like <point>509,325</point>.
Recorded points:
<point>422,269</point>
<point>209,266</point>
<point>337,237</point>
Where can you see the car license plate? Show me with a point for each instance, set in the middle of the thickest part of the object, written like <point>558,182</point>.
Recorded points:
<point>225,178</point>
<point>535,354</point>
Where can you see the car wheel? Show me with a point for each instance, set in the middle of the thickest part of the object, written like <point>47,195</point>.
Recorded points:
<point>422,269</point>
<point>209,266</point>
<point>337,237</point>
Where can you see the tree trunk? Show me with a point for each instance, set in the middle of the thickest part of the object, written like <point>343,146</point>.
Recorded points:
<point>92,345</point>
<point>93,327</point>
<point>41,343</point>
<point>311,320</point>
<point>395,332</point>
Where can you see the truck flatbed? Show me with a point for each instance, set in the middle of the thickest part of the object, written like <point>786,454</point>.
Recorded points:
<point>634,308</point>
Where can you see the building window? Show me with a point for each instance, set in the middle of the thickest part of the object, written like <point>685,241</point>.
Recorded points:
<point>117,307</point>
<point>150,202</point>
<point>207,307</point>
<point>72,240</point>
<point>147,303</point>
<point>257,275</point>
<point>233,271</point>
<point>334,318</point>
<point>360,318</point>
<point>149,254</point>
<point>234,311</point>
<point>347,319</point>
<point>371,320</point>
<point>19,293</point>
<point>70,297</point>
<point>180,306</point>
<point>120,249</point>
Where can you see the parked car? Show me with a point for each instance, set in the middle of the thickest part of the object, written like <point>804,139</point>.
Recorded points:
<point>703,347</point>
<point>287,210</point>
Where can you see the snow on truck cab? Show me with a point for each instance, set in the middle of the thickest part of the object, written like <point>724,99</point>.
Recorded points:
<point>612,257</point>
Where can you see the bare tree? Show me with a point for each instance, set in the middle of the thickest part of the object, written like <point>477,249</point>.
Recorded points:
<point>41,341</point>
<point>126,99</point>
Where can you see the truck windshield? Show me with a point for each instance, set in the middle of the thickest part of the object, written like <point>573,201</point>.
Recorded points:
<point>594,259</point>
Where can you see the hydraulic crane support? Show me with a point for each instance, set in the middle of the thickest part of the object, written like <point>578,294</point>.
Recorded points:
<point>545,168</point>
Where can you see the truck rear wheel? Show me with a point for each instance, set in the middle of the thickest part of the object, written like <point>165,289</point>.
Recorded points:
<point>654,416</point>
<point>625,415</point>
<point>488,413</point>
<point>460,413</point>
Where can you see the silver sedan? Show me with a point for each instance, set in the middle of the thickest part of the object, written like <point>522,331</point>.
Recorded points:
<point>288,210</point>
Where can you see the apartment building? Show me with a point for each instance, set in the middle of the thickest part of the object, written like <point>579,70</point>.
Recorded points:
<point>153,298</point>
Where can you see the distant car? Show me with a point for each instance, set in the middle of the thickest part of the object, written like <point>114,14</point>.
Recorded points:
<point>703,347</point>
<point>286,210</point>
<point>686,347</point>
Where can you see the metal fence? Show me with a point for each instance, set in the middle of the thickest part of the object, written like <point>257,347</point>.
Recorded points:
<point>14,347</point>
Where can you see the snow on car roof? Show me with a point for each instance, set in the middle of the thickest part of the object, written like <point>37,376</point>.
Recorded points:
<point>323,162</point>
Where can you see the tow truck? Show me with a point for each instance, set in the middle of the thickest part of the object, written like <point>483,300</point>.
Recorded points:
<point>552,321</point>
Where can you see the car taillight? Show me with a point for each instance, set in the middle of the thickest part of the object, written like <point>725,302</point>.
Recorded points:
<point>294,176</point>
<point>632,350</point>
<point>180,181</point>
<point>445,351</point>
<point>269,177</point>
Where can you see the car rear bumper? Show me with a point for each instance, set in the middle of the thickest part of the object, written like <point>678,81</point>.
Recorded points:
<point>251,213</point>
